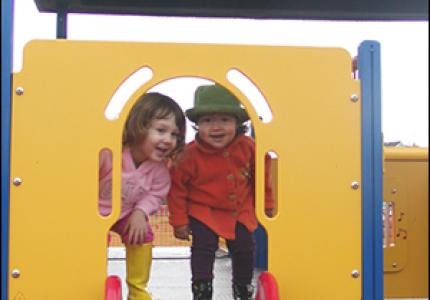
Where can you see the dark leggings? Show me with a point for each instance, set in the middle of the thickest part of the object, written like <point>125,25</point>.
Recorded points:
<point>204,245</point>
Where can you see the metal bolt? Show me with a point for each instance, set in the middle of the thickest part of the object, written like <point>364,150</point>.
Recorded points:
<point>17,181</point>
<point>19,91</point>
<point>355,274</point>
<point>15,273</point>
<point>354,98</point>
<point>355,185</point>
<point>394,265</point>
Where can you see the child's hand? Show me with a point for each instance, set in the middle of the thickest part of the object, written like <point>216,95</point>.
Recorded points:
<point>270,212</point>
<point>182,232</point>
<point>136,227</point>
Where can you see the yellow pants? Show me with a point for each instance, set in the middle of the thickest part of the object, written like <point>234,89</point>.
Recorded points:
<point>138,262</point>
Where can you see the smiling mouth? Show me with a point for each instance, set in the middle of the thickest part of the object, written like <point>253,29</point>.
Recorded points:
<point>163,151</point>
<point>217,136</point>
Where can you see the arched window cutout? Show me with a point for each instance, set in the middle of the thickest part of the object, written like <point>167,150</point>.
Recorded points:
<point>182,90</point>
<point>253,94</point>
<point>271,167</point>
<point>105,182</point>
<point>125,91</point>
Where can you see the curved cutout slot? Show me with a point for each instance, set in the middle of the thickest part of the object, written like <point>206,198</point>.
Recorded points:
<point>105,182</point>
<point>125,91</point>
<point>271,171</point>
<point>253,94</point>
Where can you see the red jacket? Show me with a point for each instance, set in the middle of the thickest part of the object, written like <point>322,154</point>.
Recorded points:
<point>216,186</point>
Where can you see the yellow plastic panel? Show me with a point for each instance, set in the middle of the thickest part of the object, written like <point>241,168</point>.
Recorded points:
<point>314,242</point>
<point>58,128</point>
<point>406,183</point>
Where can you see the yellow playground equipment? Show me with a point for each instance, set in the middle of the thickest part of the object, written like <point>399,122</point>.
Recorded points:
<point>325,241</point>
<point>406,223</point>
<point>69,128</point>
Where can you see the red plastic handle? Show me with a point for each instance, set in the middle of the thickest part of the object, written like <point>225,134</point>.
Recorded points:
<point>267,288</point>
<point>113,288</point>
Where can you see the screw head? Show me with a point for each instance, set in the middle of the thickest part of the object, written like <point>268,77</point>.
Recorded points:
<point>355,185</point>
<point>19,90</point>
<point>354,98</point>
<point>17,181</point>
<point>393,191</point>
<point>15,273</point>
<point>394,265</point>
<point>355,274</point>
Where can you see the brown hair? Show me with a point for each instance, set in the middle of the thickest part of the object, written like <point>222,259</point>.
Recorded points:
<point>151,106</point>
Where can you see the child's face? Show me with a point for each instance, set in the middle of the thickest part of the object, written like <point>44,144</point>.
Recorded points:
<point>161,140</point>
<point>217,130</point>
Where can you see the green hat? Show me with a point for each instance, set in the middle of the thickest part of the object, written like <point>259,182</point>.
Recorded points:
<point>215,99</point>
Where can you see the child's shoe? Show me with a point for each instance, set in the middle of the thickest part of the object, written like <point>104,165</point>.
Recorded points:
<point>242,292</point>
<point>202,290</point>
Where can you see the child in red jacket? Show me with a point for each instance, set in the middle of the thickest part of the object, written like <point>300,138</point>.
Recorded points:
<point>212,193</point>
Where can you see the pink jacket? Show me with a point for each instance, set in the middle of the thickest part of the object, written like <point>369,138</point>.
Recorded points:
<point>143,187</point>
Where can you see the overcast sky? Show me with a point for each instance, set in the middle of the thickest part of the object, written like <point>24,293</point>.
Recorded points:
<point>404,51</point>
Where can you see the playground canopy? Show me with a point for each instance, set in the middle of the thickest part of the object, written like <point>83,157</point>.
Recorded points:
<point>395,10</point>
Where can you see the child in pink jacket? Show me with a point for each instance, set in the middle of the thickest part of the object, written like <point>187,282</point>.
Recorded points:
<point>212,192</point>
<point>154,131</point>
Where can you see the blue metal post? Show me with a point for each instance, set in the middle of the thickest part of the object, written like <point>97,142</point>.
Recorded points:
<point>62,24</point>
<point>260,236</point>
<point>261,254</point>
<point>6,83</point>
<point>369,71</point>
